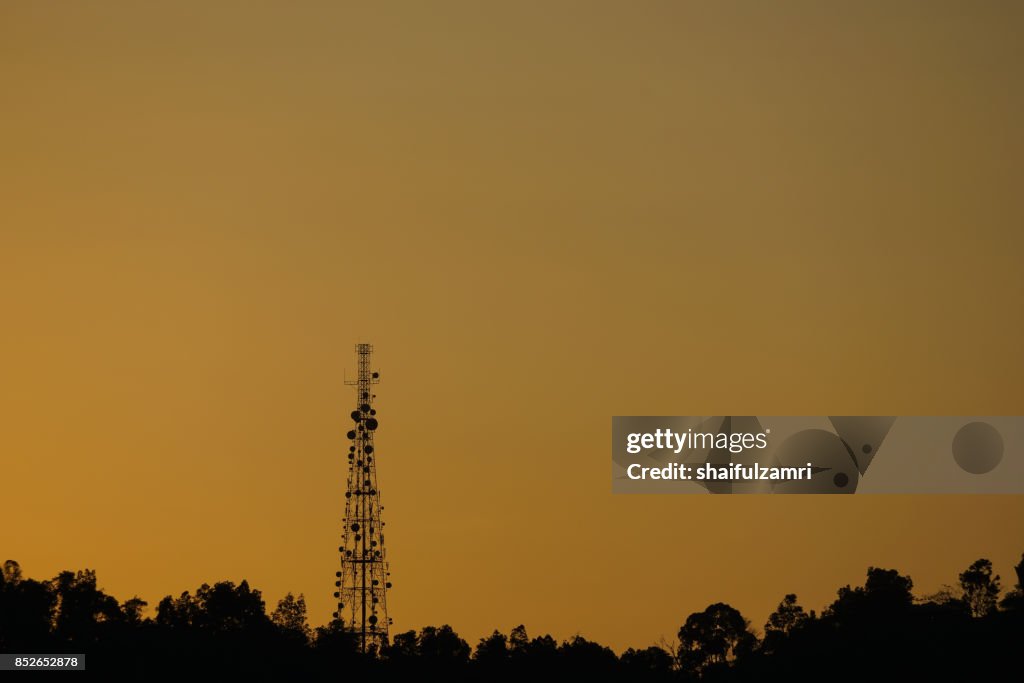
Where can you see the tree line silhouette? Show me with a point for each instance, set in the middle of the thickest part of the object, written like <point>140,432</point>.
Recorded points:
<point>962,632</point>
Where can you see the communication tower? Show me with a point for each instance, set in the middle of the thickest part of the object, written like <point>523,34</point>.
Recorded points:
<point>363,580</point>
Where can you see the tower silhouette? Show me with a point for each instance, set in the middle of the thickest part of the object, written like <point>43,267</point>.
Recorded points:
<point>364,577</point>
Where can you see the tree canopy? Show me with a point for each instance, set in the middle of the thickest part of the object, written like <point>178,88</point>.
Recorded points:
<point>879,627</point>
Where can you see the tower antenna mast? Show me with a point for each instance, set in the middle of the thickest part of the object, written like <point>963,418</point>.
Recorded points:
<point>364,578</point>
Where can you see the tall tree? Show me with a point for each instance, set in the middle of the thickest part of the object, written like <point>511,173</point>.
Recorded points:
<point>518,640</point>
<point>442,646</point>
<point>220,607</point>
<point>885,592</point>
<point>717,635</point>
<point>492,651</point>
<point>227,607</point>
<point>786,618</point>
<point>27,609</point>
<point>290,616</point>
<point>132,609</point>
<point>181,612</point>
<point>81,607</point>
<point>981,589</point>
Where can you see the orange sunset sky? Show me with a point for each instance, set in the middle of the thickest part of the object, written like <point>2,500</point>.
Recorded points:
<point>542,214</point>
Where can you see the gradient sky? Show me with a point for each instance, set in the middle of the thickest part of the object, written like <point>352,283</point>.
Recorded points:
<point>542,214</point>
